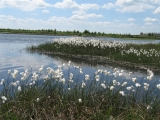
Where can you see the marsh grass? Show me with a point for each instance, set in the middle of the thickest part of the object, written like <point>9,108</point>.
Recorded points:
<point>147,55</point>
<point>67,96</point>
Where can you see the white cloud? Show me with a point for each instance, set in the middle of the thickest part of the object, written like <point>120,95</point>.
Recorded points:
<point>126,25</point>
<point>115,20</point>
<point>155,1</point>
<point>13,22</point>
<point>66,4</point>
<point>35,14</point>
<point>130,19</point>
<point>45,11</point>
<point>88,6</point>
<point>73,5</point>
<point>103,23</point>
<point>157,11</point>
<point>148,23</point>
<point>133,5</point>
<point>143,27</point>
<point>148,19</point>
<point>24,5</point>
<point>108,6</point>
<point>81,15</point>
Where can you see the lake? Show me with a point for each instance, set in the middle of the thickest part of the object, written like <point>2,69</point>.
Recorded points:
<point>14,56</point>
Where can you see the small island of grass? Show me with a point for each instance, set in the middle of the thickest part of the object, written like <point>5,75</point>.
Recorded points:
<point>96,50</point>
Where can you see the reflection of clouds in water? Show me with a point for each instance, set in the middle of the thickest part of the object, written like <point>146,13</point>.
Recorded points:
<point>24,61</point>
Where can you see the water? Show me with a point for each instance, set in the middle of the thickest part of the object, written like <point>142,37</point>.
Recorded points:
<point>14,56</point>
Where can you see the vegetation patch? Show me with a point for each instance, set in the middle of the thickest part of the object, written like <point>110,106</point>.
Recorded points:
<point>96,50</point>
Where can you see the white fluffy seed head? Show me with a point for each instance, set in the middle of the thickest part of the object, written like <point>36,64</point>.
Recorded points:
<point>80,100</point>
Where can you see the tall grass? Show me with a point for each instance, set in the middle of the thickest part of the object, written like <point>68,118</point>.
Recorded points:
<point>71,94</point>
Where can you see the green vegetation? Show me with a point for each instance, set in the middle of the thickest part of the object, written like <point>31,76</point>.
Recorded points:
<point>54,94</point>
<point>78,33</point>
<point>147,55</point>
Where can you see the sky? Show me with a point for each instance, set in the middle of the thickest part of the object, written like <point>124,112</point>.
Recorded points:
<point>108,16</point>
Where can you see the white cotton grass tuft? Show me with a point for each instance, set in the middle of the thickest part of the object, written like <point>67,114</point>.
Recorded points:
<point>129,88</point>
<point>111,87</point>
<point>146,86</point>
<point>149,107</point>
<point>138,85</point>
<point>80,100</point>
<point>14,74</point>
<point>62,80</point>
<point>83,84</point>
<point>130,73</point>
<point>124,84</point>
<point>97,77</point>
<point>158,86</point>
<point>37,100</point>
<point>4,99</point>
<point>9,71</point>
<point>120,74</point>
<point>19,88</point>
<point>149,74</point>
<point>86,77</point>
<point>122,93</point>
<point>41,68</point>
<point>69,63</point>
<point>2,82</point>
<point>134,79</point>
<point>80,71</point>
<point>35,76</point>
<point>103,85</point>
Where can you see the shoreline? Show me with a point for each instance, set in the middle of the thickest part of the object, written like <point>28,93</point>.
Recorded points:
<point>129,38</point>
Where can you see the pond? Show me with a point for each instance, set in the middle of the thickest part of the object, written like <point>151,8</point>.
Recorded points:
<point>14,56</point>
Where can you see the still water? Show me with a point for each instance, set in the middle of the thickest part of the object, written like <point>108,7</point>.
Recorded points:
<point>14,56</point>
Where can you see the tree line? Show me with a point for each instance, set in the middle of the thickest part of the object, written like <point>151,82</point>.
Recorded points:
<point>73,33</point>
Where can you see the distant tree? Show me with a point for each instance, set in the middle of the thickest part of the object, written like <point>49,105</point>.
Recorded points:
<point>99,33</point>
<point>86,32</point>
<point>149,34</point>
<point>141,33</point>
<point>55,31</point>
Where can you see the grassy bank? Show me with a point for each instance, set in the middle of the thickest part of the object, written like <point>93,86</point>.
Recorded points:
<point>147,55</point>
<point>71,94</point>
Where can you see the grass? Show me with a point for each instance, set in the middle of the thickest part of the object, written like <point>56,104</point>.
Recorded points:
<point>60,94</point>
<point>147,55</point>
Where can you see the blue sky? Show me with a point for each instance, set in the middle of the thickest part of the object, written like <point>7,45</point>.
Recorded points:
<point>109,16</point>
